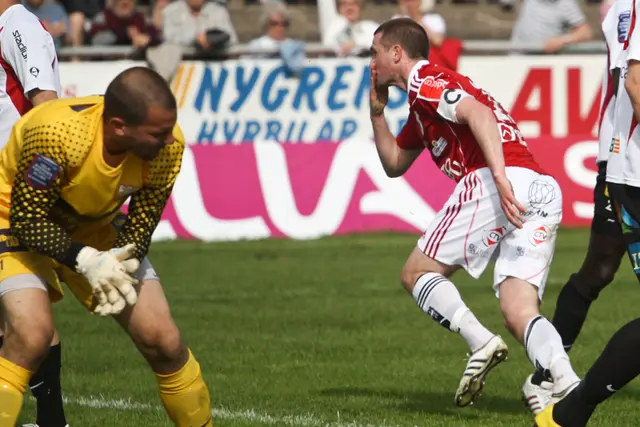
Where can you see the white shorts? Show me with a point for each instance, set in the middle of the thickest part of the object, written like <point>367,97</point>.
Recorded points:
<point>471,229</point>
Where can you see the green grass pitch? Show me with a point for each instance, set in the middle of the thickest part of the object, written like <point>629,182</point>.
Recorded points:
<point>321,333</point>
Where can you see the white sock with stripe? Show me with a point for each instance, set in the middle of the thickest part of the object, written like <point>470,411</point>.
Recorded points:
<point>544,348</point>
<point>438,297</point>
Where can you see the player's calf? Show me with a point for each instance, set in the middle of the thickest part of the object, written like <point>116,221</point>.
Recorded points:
<point>426,280</point>
<point>183,392</point>
<point>519,303</point>
<point>28,327</point>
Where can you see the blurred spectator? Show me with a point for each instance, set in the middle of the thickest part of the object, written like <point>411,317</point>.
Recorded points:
<point>81,12</point>
<point>347,34</point>
<point>52,15</point>
<point>545,22</point>
<point>196,23</point>
<point>420,11</point>
<point>121,24</point>
<point>157,13</point>
<point>275,22</point>
<point>275,25</point>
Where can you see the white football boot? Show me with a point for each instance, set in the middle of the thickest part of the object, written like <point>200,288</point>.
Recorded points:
<point>558,395</point>
<point>36,425</point>
<point>536,396</point>
<point>479,365</point>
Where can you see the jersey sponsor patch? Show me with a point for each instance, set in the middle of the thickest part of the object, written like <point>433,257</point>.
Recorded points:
<point>539,235</point>
<point>437,147</point>
<point>42,173</point>
<point>624,21</point>
<point>432,88</point>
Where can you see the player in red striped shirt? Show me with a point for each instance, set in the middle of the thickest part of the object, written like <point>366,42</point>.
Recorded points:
<point>503,209</point>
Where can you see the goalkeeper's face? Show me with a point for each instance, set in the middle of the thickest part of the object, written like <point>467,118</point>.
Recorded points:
<point>147,139</point>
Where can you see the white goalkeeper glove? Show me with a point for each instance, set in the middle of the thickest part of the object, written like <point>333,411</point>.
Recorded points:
<point>109,274</point>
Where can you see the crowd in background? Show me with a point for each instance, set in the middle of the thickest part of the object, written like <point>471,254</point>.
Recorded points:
<point>206,26</point>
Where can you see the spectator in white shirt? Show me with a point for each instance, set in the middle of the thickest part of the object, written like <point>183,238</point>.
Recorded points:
<point>275,22</point>
<point>349,35</point>
<point>186,22</point>
<point>433,23</point>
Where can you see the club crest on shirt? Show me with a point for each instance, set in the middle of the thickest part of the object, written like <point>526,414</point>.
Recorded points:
<point>126,190</point>
<point>42,172</point>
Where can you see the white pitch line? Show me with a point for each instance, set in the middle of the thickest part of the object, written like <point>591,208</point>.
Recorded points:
<point>308,420</point>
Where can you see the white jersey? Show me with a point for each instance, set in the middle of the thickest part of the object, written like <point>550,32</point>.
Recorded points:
<point>615,28</point>
<point>624,152</point>
<point>28,61</point>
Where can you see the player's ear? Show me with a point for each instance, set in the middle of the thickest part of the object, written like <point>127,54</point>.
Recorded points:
<point>119,126</point>
<point>396,53</point>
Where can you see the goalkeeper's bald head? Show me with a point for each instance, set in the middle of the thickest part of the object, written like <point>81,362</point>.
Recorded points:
<point>131,94</point>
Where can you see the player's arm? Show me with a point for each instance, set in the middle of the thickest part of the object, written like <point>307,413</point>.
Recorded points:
<point>632,86</point>
<point>395,159</point>
<point>147,204</point>
<point>458,106</point>
<point>40,170</point>
<point>28,49</point>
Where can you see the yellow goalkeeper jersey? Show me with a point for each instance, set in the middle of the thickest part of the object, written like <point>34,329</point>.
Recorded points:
<point>54,180</point>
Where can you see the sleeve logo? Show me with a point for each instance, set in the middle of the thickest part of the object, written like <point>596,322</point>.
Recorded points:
<point>42,173</point>
<point>21,46</point>
<point>431,88</point>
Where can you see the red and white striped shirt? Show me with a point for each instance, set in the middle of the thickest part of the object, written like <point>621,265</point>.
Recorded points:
<point>28,61</point>
<point>434,94</point>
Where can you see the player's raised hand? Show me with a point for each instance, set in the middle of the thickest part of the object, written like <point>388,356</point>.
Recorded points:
<point>378,95</point>
<point>512,208</point>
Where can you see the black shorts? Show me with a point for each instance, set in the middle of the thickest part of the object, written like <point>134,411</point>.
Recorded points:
<point>604,216</point>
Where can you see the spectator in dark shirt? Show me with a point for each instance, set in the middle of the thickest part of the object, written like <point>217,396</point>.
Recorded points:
<point>121,24</point>
<point>81,12</point>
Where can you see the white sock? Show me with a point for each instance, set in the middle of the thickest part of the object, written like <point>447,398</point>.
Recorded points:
<point>440,299</point>
<point>544,348</point>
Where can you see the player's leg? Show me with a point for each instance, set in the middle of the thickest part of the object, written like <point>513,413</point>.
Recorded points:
<point>519,302</point>
<point>440,252</point>
<point>46,388</point>
<point>520,275</point>
<point>605,251</point>
<point>149,324</point>
<point>616,367</point>
<point>28,327</point>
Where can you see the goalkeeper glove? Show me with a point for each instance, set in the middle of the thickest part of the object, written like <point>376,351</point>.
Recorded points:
<point>109,279</point>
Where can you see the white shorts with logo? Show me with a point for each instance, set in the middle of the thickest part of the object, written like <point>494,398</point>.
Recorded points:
<point>471,229</point>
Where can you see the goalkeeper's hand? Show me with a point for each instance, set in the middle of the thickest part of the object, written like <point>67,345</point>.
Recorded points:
<point>109,274</point>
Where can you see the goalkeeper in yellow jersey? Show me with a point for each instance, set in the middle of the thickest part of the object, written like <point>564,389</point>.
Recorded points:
<point>68,167</point>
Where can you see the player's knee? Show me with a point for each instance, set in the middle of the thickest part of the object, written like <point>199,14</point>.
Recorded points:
<point>28,346</point>
<point>589,283</point>
<point>162,346</point>
<point>516,317</point>
<point>408,277</point>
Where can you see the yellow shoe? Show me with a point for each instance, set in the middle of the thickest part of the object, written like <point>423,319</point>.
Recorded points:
<point>545,418</point>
